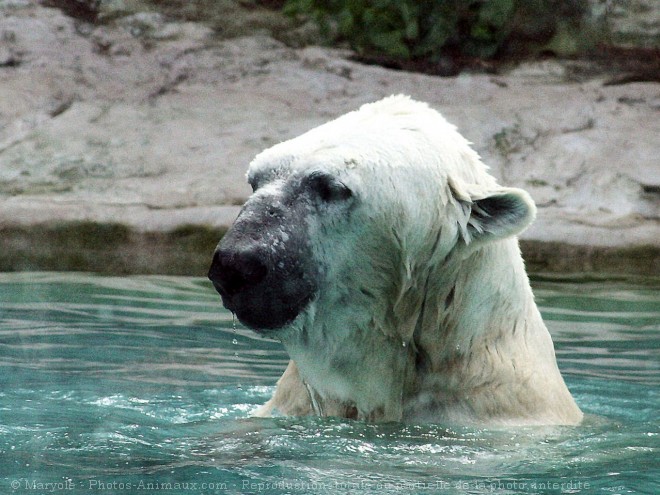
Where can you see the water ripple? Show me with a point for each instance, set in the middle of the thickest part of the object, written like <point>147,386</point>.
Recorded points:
<point>147,379</point>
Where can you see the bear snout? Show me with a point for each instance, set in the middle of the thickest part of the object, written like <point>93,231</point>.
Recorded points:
<point>233,271</point>
<point>266,278</point>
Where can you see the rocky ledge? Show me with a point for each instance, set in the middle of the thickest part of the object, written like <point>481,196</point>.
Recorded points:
<point>123,145</point>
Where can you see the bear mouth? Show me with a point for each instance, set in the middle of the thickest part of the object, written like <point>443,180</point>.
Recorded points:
<point>263,310</point>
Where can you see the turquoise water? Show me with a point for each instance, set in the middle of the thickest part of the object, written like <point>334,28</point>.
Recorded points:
<point>143,385</point>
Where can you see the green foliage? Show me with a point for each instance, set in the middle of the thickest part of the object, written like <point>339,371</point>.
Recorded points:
<point>413,29</point>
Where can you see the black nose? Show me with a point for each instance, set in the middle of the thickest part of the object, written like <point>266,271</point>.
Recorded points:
<point>233,271</point>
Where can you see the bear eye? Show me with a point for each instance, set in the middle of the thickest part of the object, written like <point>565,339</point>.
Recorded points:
<point>254,183</point>
<point>328,188</point>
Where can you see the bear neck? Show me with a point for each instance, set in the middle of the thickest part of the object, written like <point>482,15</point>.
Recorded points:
<point>483,351</point>
<point>478,294</point>
<point>341,371</point>
<point>468,345</point>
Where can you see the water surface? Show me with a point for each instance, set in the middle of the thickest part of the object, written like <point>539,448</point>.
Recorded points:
<point>144,384</point>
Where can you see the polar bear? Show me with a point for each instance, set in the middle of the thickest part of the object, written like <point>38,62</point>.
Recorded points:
<point>381,253</point>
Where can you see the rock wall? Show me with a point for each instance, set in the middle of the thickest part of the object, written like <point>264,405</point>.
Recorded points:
<point>150,124</point>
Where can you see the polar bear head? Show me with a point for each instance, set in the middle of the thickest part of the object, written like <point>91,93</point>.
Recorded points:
<point>381,253</point>
<point>355,214</point>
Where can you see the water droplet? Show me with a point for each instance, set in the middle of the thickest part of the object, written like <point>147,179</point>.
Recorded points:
<point>404,344</point>
<point>235,342</point>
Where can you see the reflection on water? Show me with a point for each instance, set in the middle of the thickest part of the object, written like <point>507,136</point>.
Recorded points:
<point>144,383</point>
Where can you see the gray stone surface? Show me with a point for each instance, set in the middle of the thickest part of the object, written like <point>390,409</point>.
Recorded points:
<point>152,123</point>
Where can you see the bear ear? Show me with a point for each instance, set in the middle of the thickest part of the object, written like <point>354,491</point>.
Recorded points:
<point>489,215</point>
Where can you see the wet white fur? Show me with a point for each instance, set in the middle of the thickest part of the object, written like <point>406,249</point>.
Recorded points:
<point>425,312</point>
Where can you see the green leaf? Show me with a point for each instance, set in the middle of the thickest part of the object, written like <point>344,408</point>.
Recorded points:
<point>391,43</point>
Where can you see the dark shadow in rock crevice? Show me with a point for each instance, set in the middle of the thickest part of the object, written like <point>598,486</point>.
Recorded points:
<point>84,10</point>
